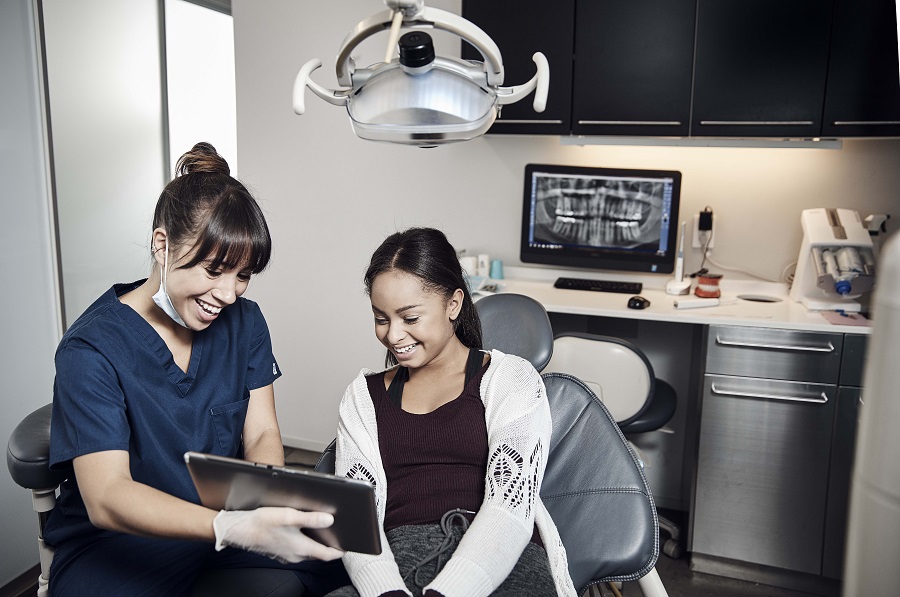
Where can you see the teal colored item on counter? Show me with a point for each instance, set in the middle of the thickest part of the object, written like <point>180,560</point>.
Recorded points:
<point>496,269</point>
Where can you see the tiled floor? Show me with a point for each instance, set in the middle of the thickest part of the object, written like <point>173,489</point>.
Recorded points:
<point>680,581</point>
<point>676,575</point>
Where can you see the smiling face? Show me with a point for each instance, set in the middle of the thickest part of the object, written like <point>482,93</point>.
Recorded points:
<point>199,293</point>
<point>415,324</point>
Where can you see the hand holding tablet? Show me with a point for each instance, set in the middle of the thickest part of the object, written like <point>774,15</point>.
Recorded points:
<point>238,485</point>
<point>273,532</point>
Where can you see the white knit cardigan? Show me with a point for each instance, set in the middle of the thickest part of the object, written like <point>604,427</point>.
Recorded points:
<point>518,425</point>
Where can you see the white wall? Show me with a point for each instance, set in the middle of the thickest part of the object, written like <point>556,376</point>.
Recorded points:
<point>331,197</point>
<point>29,304</point>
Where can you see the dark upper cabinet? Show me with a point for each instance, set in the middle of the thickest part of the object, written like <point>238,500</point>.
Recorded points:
<point>760,68</point>
<point>520,28</point>
<point>633,63</point>
<point>700,68</point>
<point>863,94</point>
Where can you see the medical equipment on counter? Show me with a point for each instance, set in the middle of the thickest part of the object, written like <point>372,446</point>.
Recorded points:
<point>836,264</point>
<point>420,99</point>
<point>678,285</point>
<point>696,302</point>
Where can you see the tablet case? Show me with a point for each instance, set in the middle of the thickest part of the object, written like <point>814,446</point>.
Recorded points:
<point>231,484</point>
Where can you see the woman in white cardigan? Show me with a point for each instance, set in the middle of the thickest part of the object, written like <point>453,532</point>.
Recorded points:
<point>454,440</point>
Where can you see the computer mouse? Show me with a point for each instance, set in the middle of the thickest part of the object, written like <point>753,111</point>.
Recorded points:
<point>638,302</point>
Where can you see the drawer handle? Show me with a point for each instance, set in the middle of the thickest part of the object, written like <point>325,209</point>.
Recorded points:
<point>865,122</point>
<point>633,122</point>
<point>821,400</point>
<point>828,348</point>
<point>756,122</point>
<point>525,121</point>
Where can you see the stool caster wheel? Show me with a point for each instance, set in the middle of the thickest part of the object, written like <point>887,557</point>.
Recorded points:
<point>672,548</point>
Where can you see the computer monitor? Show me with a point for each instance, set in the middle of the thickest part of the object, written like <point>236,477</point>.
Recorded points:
<point>600,218</point>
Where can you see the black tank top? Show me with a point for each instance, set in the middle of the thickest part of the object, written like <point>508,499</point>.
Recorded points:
<point>395,390</point>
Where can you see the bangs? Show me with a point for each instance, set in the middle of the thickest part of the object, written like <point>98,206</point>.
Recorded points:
<point>233,237</point>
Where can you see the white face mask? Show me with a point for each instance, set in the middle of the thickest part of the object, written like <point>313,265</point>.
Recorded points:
<point>161,298</point>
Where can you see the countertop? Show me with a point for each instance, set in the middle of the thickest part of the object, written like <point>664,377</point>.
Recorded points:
<point>783,313</point>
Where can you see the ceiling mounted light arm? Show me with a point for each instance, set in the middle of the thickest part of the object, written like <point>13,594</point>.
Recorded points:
<point>424,18</point>
<point>539,83</point>
<point>337,97</point>
<point>394,36</point>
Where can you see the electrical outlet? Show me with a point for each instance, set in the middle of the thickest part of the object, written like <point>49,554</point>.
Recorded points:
<point>697,240</point>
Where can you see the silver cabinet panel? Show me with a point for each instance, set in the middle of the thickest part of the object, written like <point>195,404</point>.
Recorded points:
<point>762,475</point>
<point>774,353</point>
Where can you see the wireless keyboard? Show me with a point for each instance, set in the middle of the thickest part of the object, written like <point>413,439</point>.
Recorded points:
<point>598,285</point>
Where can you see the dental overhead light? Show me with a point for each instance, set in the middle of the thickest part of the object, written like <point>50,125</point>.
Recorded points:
<point>418,98</point>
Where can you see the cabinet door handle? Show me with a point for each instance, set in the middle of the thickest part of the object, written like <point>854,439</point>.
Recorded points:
<point>525,121</point>
<point>633,122</point>
<point>829,347</point>
<point>864,122</point>
<point>821,399</point>
<point>756,122</point>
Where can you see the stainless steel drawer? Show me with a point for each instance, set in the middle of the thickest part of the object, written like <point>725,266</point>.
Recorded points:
<point>774,353</point>
<point>762,474</point>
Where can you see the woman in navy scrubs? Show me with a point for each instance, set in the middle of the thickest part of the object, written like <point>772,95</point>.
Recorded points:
<point>174,363</point>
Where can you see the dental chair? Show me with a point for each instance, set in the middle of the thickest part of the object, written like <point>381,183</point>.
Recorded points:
<point>28,460</point>
<point>620,374</point>
<point>595,490</point>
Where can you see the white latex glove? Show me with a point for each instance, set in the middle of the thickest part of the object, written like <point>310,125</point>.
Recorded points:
<point>274,533</point>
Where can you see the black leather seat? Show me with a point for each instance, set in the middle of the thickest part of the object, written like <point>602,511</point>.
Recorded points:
<point>622,376</point>
<point>595,489</point>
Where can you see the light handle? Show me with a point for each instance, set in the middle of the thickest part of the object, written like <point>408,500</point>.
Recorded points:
<point>337,97</point>
<point>539,83</point>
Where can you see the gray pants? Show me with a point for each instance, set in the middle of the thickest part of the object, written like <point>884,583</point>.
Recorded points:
<point>530,577</point>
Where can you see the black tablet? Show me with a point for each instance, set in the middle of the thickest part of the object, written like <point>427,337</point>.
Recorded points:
<point>232,484</point>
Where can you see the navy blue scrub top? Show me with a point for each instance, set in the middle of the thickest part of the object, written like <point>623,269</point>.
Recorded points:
<point>117,387</point>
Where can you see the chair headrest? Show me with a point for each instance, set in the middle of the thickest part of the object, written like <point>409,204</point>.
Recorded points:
<point>516,324</point>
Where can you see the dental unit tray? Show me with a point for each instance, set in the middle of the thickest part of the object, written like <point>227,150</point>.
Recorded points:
<point>417,98</point>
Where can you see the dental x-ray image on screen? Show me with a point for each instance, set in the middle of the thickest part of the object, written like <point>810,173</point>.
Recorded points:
<point>600,218</point>
<point>598,211</point>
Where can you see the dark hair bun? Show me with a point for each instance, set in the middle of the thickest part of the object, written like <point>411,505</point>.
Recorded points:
<point>202,157</point>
